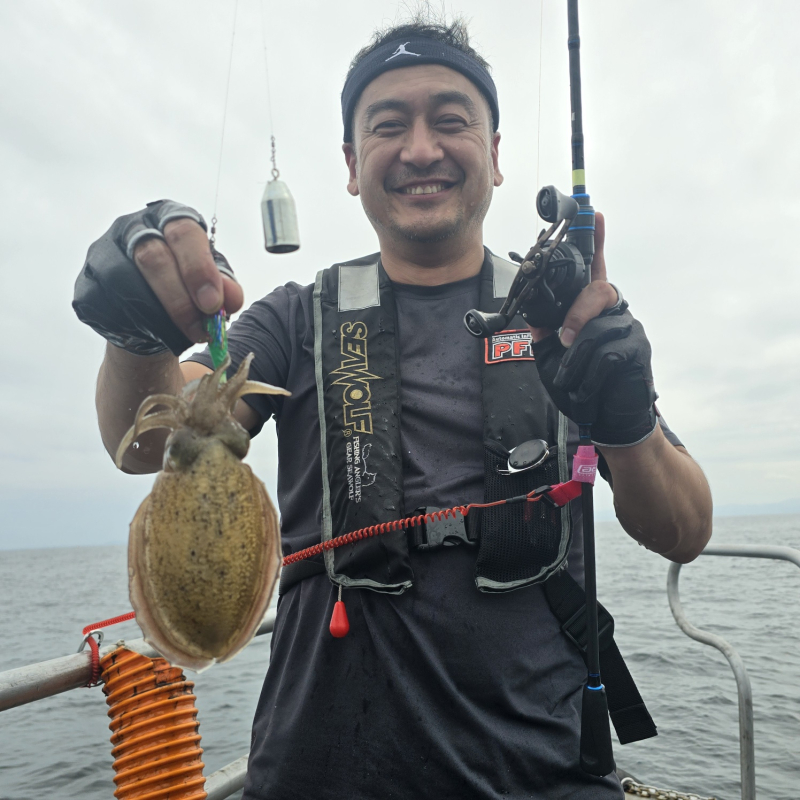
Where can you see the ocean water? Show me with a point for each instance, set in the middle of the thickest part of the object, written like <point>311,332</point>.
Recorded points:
<point>58,747</point>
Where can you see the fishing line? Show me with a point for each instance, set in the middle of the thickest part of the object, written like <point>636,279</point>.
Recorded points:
<point>266,70</point>
<point>215,325</point>
<point>539,119</point>
<point>278,213</point>
<point>224,121</point>
<point>275,172</point>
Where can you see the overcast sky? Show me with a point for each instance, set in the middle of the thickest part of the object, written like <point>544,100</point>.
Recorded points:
<point>691,115</point>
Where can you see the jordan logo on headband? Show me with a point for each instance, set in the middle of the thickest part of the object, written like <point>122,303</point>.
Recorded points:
<point>401,51</point>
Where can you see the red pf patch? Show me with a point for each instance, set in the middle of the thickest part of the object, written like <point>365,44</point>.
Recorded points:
<point>509,346</point>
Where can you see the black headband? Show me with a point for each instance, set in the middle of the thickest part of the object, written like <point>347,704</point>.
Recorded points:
<point>412,52</point>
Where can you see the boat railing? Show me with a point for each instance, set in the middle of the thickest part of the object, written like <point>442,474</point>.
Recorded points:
<point>48,678</point>
<point>746,744</point>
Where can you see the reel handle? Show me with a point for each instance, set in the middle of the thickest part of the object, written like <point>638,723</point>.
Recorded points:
<point>554,206</point>
<point>482,324</point>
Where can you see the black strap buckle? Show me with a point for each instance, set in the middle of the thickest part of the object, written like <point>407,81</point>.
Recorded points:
<point>542,493</point>
<point>575,628</point>
<point>444,532</point>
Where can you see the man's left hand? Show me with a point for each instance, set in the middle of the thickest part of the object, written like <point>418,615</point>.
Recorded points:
<point>594,299</point>
<point>601,368</point>
<point>599,371</point>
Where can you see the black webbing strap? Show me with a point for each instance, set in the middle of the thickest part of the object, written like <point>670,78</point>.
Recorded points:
<point>299,571</point>
<point>632,720</point>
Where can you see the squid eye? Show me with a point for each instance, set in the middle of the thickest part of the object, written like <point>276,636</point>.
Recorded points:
<point>181,450</point>
<point>234,437</point>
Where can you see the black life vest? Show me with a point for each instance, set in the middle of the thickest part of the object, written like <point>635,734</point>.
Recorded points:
<point>358,389</point>
<point>358,392</point>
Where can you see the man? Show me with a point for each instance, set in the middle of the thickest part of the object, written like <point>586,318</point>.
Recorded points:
<point>439,690</point>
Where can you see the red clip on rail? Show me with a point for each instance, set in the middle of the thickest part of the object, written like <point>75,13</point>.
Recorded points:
<point>94,644</point>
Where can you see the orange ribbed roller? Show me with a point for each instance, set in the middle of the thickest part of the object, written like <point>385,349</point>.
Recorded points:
<point>154,728</point>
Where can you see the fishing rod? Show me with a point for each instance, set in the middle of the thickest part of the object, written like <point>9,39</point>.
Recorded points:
<point>597,757</point>
<point>549,279</point>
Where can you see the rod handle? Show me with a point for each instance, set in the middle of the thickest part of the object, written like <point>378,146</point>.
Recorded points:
<point>597,755</point>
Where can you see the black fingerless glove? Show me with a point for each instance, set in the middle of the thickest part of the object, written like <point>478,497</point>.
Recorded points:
<point>112,296</point>
<point>604,379</point>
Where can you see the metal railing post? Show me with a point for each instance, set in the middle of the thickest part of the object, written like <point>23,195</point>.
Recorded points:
<point>224,782</point>
<point>746,744</point>
<point>746,748</point>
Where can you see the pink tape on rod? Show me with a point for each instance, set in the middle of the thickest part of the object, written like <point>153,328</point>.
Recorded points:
<point>584,465</point>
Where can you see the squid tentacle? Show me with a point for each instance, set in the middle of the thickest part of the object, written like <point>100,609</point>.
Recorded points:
<point>204,410</point>
<point>161,419</point>
<point>171,401</point>
<point>239,385</point>
<point>208,389</point>
<point>231,388</point>
<point>256,387</point>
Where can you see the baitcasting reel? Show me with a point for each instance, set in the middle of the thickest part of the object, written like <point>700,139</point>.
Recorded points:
<point>553,272</point>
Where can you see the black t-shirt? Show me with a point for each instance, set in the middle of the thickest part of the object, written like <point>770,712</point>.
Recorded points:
<point>442,692</point>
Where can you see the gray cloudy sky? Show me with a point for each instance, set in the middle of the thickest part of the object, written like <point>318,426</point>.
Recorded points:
<point>691,116</point>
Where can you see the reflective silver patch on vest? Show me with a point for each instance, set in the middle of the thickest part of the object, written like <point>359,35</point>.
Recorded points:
<point>327,517</point>
<point>504,273</point>
<point>358,287</point>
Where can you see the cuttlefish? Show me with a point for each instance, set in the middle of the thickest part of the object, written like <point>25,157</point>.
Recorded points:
<point>204,546</point>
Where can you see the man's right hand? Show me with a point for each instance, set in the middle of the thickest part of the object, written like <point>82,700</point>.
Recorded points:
<point>185,279</point>
<point>149,280</point>
<point>146,286</point>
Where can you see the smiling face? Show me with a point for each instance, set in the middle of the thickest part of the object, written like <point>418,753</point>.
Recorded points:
<point>424,158</point>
